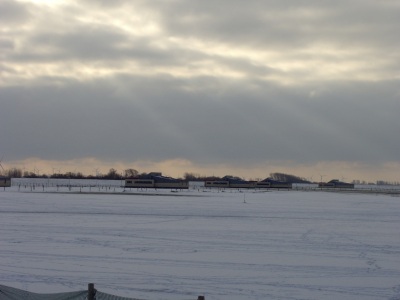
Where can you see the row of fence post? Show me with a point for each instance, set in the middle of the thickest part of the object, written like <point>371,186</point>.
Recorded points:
<point>92,293</point>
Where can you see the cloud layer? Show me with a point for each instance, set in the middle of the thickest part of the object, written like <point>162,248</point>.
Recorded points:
<point>222,83</point>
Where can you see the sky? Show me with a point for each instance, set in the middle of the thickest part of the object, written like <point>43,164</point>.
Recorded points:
<point>246,88</point>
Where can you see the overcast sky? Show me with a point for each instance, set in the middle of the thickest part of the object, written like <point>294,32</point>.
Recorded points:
<point>310,88</point>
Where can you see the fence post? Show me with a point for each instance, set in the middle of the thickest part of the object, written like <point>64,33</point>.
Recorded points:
<point>91,292</point>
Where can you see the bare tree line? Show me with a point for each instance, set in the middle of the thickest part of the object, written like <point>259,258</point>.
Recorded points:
<point>113,174</point>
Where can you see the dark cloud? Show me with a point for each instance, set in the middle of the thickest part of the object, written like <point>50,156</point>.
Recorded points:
<point>6,44</point>
<point>282,24</point>
<point>102,45</point>
<point>159,119</point>
<point>12,12</point>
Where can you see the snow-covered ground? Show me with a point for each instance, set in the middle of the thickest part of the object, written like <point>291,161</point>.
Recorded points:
<point>224,245</point>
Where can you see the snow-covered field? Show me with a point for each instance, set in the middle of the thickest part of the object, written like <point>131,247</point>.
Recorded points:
<point>224,245</point>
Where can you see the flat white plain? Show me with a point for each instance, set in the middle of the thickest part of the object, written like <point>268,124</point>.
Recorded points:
<point>224,245</point>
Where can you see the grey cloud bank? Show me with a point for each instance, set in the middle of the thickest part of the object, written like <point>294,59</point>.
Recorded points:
<point>209,83</point>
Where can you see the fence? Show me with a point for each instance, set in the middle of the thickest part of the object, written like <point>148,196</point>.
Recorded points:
<point>10,293</point>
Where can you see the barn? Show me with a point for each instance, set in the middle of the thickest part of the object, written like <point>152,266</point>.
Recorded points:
<point>155,180</point>
<point>270,183</point>
<point>335,183</point>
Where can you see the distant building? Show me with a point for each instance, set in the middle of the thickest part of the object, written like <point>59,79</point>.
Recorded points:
<point>335,183</point>
<point>216,183</point>
<point>157,181</point>
<point>230,182</point>
<point>236,182</point>
<point>273,184</point>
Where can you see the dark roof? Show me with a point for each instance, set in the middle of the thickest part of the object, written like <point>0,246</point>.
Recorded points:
<point>272,181</point>
<point>157,177</point>
<point>337,181</point>
<point>235,180</point>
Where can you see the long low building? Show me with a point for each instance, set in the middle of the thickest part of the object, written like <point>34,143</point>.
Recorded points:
<point>155,180</point>
<point>235,182</point>
<point>273,184</point>
<point>335,183</point>
<point>229,182</point>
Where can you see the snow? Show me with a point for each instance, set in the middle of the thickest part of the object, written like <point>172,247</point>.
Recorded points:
<point>224,245</point>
